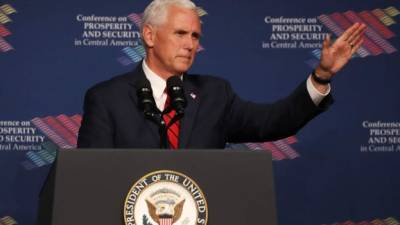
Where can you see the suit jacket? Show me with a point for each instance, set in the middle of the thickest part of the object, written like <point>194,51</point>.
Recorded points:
<point>214,115</point>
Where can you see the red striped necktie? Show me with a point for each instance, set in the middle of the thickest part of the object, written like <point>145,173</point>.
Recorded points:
<point>173,129</point>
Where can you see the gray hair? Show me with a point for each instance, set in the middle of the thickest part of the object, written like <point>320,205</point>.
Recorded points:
<point>156,12</point>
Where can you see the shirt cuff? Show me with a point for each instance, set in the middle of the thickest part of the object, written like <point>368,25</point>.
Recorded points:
<point>315,95</point>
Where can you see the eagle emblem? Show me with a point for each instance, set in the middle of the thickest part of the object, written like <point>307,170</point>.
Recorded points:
<point>165,197</point>
<point>165,206</point>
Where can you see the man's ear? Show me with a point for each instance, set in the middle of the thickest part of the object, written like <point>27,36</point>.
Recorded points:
<point>148,35</point>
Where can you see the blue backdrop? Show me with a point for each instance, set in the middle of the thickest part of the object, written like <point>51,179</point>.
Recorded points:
<point>342,167</point>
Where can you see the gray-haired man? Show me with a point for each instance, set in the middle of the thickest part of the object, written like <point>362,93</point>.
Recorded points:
<point>214,114</point>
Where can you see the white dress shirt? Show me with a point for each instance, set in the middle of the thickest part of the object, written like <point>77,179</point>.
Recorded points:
<point>158,86</point>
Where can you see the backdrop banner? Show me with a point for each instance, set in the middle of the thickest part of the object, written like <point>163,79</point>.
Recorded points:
<point>342,168</point>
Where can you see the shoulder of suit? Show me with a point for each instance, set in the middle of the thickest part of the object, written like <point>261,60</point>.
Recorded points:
<point>115,83</point>
<point>200,80</point>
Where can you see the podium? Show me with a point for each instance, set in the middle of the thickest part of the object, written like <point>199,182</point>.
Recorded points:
<point>156,187</point>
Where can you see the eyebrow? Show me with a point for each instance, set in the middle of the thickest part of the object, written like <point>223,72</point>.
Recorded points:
<point>182,31</point>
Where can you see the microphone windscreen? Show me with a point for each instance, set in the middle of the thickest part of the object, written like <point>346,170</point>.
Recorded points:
<point>144,94</point>
<point>143,83</point>
<point>176,93</point>
<point>174,81</point>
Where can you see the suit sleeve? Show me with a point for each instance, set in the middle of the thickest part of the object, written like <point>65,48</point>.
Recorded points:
<point>251,122</point>
<point>96,130</point>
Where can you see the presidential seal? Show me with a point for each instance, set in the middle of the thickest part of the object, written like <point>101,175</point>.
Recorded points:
<point>165,198</point>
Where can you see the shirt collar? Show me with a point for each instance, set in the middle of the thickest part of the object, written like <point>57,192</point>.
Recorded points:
<point>158,84</point>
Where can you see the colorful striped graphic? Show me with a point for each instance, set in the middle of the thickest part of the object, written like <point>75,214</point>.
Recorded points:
<point>377,222</point>
<point>43,157</point>
<point>371,33</point>
<point>363,52</point>
<point>276,153</point>
<point>387,221</point>
<point>376,24</point>
<point>284,147</point>
<point>62,130</point>
<point>392,11</point>
<point>338,30</point>
<point>133,54</point>
<point>291,140</point>
<point>50,133</point>
<point>71,125</point>
<point>5,11</point>
<point>4,31</point>
<point>391,221</point>
<point>376,36</point>
<point>383,17</point>
<point>7,220</point>
<point>280,149</point>
<point>77,119</point>
<point>124,60</point>
<point>5,46</point>
<point>316,53</point>
<point>136,54</point>
<point>136,19</point>
<point>4,18</point>
<point>36,159</point>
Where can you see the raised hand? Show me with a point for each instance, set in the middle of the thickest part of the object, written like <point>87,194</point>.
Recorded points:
<point>335,56</point>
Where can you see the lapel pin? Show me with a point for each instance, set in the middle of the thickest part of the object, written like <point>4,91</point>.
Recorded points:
<point>193,95</point>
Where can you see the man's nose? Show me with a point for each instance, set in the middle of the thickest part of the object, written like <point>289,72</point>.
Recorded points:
<point>189,43</point>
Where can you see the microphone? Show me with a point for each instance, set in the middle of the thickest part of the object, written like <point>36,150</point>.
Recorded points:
<point>150,110</point>
<point>176,94</point>
<point>146,100</point>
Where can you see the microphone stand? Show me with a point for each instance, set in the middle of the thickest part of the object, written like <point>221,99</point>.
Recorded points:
<point>163,135</point>
<point>157,117</point>
<point>152,113</point>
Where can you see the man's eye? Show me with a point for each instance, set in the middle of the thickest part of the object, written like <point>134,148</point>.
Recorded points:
<point>180,33</point>
<point>196,36</point>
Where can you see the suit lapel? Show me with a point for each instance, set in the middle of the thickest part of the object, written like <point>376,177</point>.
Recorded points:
<point>187,122</point>
<point>137,75</point>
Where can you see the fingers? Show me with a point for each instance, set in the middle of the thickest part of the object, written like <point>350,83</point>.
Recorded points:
<point>356,35</point>
<point>345,36</point>
<point>357,45</point>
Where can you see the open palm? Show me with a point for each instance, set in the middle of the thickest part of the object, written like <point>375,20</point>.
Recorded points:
<point>335,56</point>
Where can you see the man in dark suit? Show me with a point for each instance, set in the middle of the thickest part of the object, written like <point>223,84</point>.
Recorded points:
<point>214,114</point>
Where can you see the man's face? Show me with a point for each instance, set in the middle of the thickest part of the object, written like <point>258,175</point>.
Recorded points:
<point>172,46</point>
